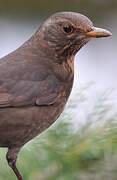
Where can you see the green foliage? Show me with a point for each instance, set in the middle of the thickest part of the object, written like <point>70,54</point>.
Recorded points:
<point>65,152</point>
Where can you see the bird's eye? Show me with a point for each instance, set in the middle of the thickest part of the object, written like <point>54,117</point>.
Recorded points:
<point>68,29</point>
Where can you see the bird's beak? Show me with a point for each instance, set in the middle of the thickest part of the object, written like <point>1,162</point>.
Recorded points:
<point>98,33</point>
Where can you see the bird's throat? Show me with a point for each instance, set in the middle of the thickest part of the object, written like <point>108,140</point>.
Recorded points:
<point>70,62</point>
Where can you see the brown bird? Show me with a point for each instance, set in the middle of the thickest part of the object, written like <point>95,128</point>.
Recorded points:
<point>37,78</point>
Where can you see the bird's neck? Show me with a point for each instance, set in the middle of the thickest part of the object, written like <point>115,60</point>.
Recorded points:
<point>57,55</point>
<point>48,49</point>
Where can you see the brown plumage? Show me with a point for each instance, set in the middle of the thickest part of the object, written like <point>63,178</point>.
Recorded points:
<point>37,78</point>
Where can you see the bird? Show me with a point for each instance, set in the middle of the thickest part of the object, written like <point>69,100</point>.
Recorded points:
<point>37,78</point>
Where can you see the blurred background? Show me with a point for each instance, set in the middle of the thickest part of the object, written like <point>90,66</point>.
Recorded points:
<point>82,144</point>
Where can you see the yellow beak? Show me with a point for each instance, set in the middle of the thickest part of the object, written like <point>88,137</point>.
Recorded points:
<point>98,32</point>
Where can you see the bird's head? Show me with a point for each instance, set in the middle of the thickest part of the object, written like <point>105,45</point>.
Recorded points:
<point>66,32</point>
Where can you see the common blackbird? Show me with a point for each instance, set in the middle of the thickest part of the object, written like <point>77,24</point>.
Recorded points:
<point>36,79</point>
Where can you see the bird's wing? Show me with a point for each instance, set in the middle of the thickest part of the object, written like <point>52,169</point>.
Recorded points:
<point>9,100</point>
<point>25,84</point>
